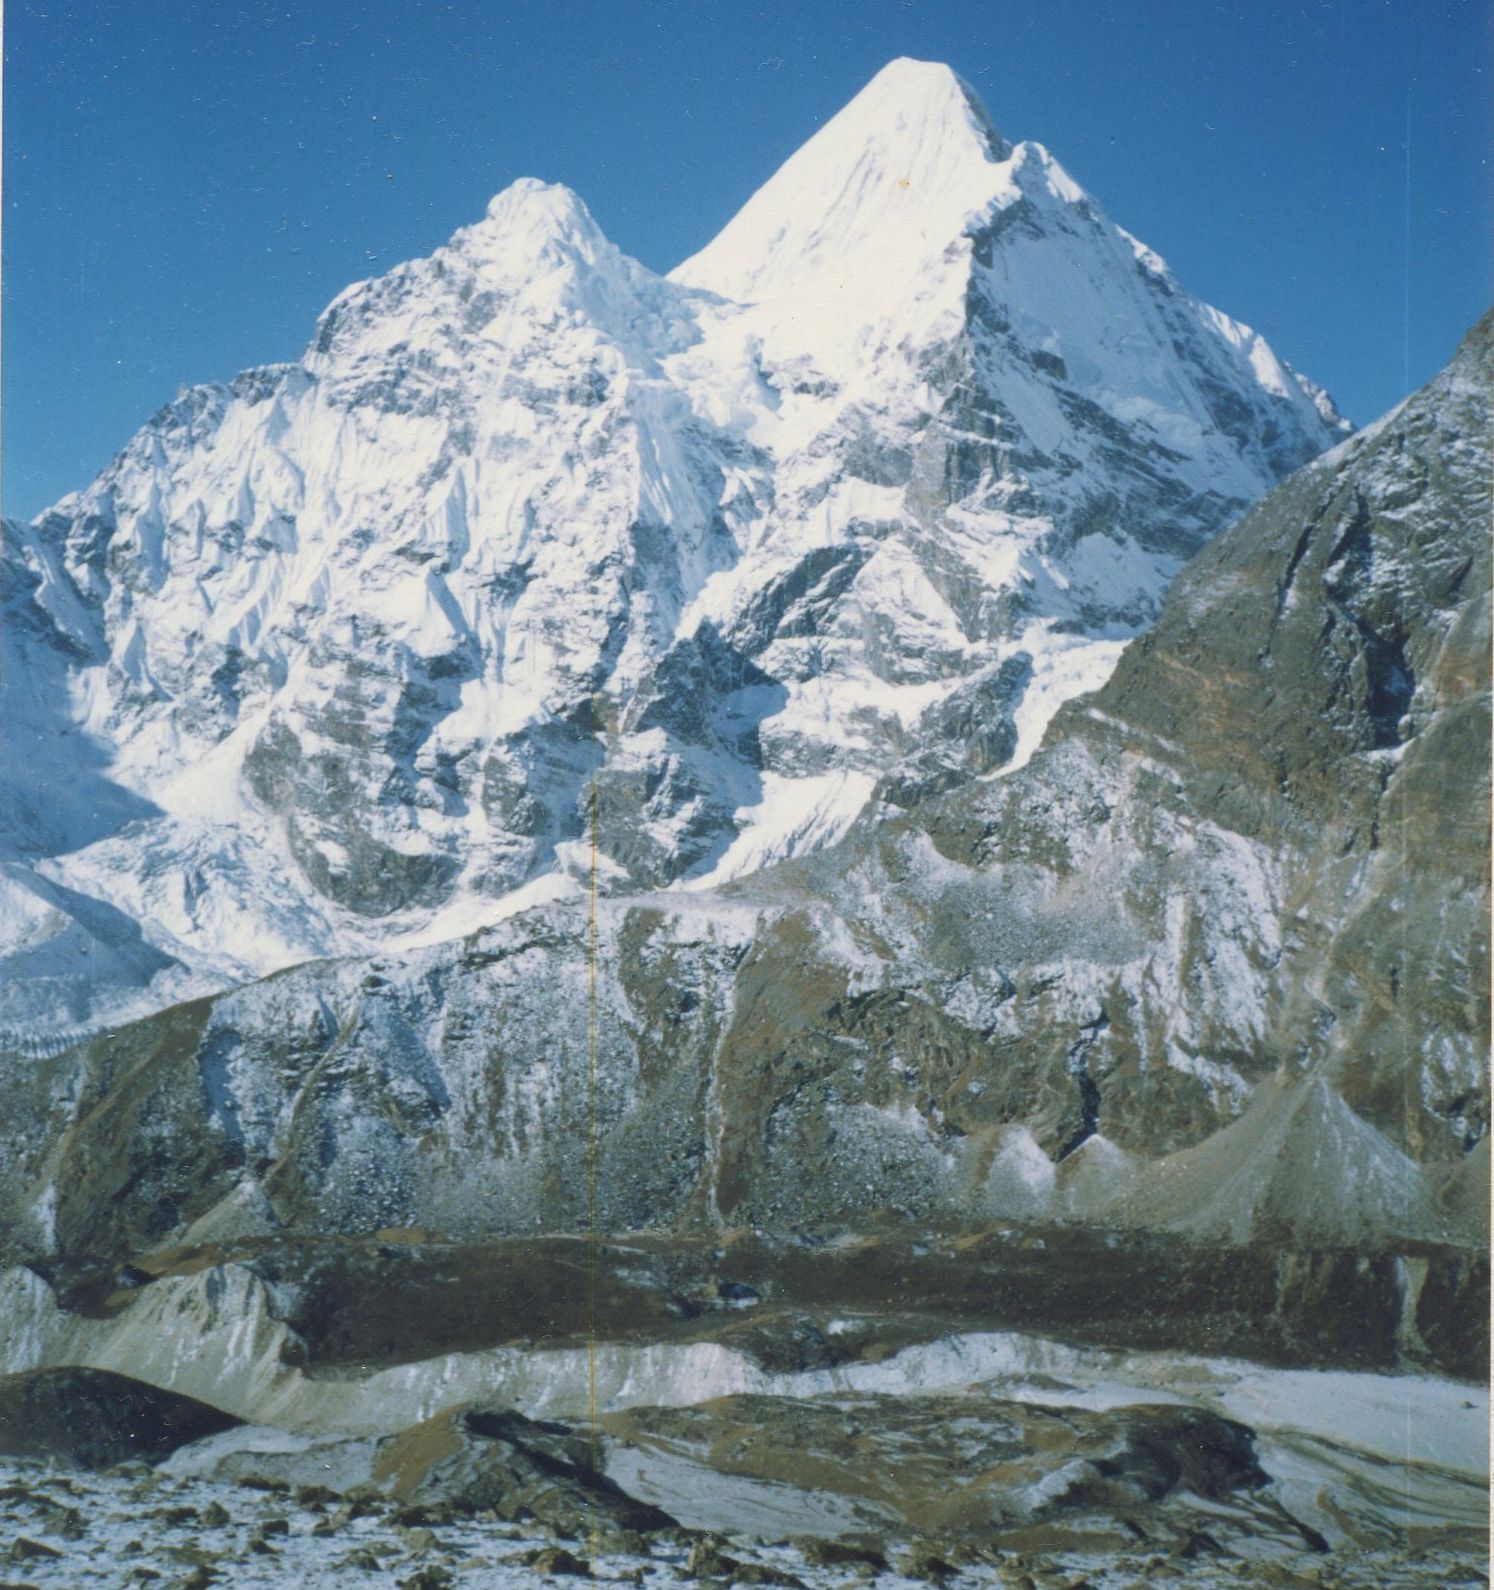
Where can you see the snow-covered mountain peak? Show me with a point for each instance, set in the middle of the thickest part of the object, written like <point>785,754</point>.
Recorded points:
<point>536,259</point>
<point>921,102</point>
<point>535,196</point>
<point>1036,172</point>
<point>892,179</point>
<point>528,217</point>
<point>876,481</point>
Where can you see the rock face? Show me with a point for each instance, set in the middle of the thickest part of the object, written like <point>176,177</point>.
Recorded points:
<point>476,1458</point>
<point>861,1448</point>
<point>1281,798</point>
<point>94,1418</point>
<point>1212,962</point>
<point>335,657</point>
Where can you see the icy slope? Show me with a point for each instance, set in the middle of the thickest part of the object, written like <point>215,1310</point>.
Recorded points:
<point>327,659</point>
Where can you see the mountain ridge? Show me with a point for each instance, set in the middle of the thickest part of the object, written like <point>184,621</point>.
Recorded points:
<point>1168,957</point>
<point>346,641</point>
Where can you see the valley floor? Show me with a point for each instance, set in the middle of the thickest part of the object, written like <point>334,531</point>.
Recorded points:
<point>968,1458</point>
<point>134,1525</point>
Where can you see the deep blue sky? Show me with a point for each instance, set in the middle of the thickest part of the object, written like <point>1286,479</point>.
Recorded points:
<point>188,183</point>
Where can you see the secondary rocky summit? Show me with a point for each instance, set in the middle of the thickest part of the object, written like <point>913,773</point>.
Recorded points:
<point>331,658</point>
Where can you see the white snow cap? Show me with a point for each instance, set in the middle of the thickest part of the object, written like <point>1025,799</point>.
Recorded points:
<point>531,202</point>
<point>898,172</point>
<point>530,221</point>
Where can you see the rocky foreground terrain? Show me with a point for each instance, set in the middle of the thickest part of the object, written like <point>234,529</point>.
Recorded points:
<point>976,1459</point>
<point>1062,1161</point>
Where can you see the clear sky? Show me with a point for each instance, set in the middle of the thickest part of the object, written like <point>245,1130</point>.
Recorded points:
<point>187,182</point>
